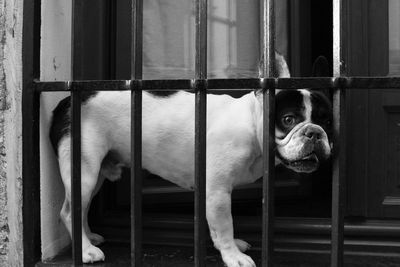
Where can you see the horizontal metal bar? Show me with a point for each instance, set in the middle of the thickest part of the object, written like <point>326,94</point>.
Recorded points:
<point>168,84</point>
<point>228,84</point>
<point>109,85</point>
<point>234,83</point>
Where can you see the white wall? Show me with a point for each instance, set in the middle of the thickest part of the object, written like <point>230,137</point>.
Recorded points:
<point>55,66</point>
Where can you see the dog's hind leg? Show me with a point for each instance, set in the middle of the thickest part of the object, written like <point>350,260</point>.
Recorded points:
<point>94,238</point>
<point>90,166</point>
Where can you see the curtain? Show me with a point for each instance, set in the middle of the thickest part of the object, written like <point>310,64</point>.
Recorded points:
<point>233,38</point>
<point>394,37</point>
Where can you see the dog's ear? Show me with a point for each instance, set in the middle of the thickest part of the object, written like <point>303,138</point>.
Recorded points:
<point>281,67</point>
<point>321,67</point>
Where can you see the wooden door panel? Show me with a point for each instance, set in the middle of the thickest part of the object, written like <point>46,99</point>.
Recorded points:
<point>384,154</point>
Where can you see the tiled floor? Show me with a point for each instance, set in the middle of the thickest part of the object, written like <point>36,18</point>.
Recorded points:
<point>118,255</point>
<point>166,256</point>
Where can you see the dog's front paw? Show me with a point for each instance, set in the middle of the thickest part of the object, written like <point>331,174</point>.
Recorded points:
<point>242,245</point>
<point>95,239</point>
<point>235,258</point>
<point>92,254</point>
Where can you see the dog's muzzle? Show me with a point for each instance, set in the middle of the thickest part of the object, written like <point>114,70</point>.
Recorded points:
<point>304,148</point>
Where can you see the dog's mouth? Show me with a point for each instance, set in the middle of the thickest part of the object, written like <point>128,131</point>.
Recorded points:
<point>307,163</point>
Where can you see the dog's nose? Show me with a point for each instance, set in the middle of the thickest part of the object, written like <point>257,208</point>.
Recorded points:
<point>312,133</point>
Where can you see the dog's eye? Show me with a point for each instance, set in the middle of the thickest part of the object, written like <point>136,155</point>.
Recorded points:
<point>288,120</point>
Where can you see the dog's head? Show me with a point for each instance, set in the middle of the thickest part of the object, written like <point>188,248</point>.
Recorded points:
<point>303,125</point>
<point>302,129</point>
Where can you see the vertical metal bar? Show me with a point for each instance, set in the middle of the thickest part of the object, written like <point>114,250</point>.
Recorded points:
<point>111,15</point>
<point>268,176</point>
<point>201,40</point>
<point>76,40</point>
<point>338,171</point>
<point>268,39</point>
<point>76,192</point>
<point>136,132</point>
<point>338,204</point>
<point>200,133</point>
<point>137,40</point>
<point>136,174</point>
<point>339,43</point>
<point>76,197</point>
<point>200,174</point>
<point>268,70</point>
<point>30,132</point>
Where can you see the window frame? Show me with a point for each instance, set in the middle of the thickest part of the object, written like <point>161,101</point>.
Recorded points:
<point>32,88</point>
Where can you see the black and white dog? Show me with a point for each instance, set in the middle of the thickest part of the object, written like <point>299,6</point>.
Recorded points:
<point>234,148</point>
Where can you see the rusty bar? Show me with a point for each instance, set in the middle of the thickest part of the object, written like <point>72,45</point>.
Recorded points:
<point>268,71</point>
<point>200,87</point>
<point>136,131</point>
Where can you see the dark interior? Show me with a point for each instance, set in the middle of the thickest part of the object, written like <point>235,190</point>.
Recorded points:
<point>296,195</point>
<point>168,209</point>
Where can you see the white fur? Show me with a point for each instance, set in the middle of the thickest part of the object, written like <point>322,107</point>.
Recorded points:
<point>234,155</point>
<point>307,104</point>
<point>233,152</point>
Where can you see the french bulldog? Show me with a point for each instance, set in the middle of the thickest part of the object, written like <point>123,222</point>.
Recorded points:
<point>234,148</point>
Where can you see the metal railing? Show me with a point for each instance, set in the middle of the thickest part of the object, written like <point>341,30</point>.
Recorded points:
<point>32,89</point>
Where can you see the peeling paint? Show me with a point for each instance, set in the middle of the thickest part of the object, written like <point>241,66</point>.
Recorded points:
<point>11,247</point>
<point>56,65</point>
<point>4,229</point>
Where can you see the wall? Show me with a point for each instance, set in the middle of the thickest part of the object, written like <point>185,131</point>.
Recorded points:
<point>11,132</point>
<point>55,65</point>
<point>3,176</point>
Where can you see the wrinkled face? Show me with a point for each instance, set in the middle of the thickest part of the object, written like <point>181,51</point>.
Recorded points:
<point>303,129</point>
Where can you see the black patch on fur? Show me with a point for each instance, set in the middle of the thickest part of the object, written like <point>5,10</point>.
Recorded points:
<point>163,93</point>
<point>321,113</point>
<point>60,123</point>
<point>288,101</point>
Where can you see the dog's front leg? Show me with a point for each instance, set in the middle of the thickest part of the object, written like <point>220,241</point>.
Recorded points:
<point>219,217</point>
